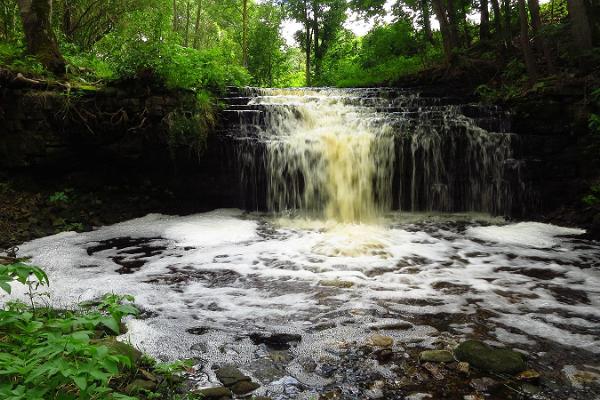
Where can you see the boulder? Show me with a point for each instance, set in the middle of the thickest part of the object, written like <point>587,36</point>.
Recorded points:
<point>437,356</point>
<point>489,359</point>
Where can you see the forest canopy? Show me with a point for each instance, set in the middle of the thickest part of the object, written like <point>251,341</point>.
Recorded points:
<point>213,43</point>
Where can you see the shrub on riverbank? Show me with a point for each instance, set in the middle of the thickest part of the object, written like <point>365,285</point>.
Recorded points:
<point>73,354</point>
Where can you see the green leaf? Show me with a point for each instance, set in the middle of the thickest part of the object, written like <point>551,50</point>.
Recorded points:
<point>81,382</point>
<point>5,286</point>
<point>111,324</point>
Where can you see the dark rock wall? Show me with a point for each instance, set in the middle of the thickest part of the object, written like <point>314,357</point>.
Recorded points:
<point>111,136</point>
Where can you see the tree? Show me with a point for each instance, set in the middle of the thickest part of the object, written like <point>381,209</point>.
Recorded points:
<point>36,16</point>
<point>484,25</point>
<point>541,44</point>
<point>245,33</point>
<point>525,46</point>
<point>580,24</point>
<point>449,38</point>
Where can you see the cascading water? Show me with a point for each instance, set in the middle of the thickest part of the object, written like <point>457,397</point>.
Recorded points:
<point>336,306</point>
<point>351,155</point>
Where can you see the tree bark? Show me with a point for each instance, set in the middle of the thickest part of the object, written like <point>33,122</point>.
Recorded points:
<point>245,33</point>
<point>447,36</point>
<point>452,21</point>
<point>316,46</point>
<point>497,19</point>
<point>526,48</point>
<point>484,25</point>
<point>175,23</point>
<point>507,22</point>
<point>308,42</point>
<point>426,21</point>
<point>39,36</point>
<point>197,25</point>
<point>541,44</point>
<point>580,25</point>
<point>188,17</point>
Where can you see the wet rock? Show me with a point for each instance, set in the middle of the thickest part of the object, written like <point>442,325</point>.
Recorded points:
<point>276,341</point>
<point>529,375</point>
<point>579,379</point>
<point>418,396</point>
<point>244,387</point>
<point>484,384</point>
<point>236,381</point>
<point>438,356</point>
<point>486,358</point>
<point>376,390</point>
<point>397,326</point>
<point>139,385</point>
<point>383,355</point>
<point>215,393</point>
<point>337,283</point>
<point>463,367</point>
<point>229,376</point>
<point>117,347</point>
<point>530,389</point>
<point>475,396</point>
<point>378,340</point>
<point>434,370</point>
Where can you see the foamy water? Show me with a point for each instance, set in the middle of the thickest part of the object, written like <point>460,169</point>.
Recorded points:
<point>224,275</point>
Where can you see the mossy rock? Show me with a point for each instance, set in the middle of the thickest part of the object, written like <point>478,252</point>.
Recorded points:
<point>139,385</point>
<point>215,393</point>
<point>489,359</point>
<point>437,356</point>
<point>117,347</point>
<point>244,387</point>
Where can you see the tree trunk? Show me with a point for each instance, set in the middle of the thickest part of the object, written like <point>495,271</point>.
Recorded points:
<point>453,22</point>
<point>175,23</point>
<point>197,25</point>
<point>447,36</point>
<point>188,11</point>
<point>541,44</point>
<point>245,33</point>
<point>318,56</point>
<point>41,41</point>
<point>580,25</point>
<point>497,19</point>
<point>507,22</point>
<point>66,20</point>
<point>426,21</point>
<point>527,53</point>
<point>308,42</point>
<point>484,26</point>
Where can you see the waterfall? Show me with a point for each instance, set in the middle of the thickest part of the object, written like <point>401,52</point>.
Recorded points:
<point>351,155</point>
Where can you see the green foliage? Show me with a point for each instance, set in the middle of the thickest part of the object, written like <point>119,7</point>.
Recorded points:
<point>13,56</point>
<point>48,354</point>
<point>20,272</point>
<point>593,198</point>
<point>71,354</point>
<point>59,197</point>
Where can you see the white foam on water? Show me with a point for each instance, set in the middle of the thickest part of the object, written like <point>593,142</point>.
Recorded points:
<point>526,234</point>
<point>234,273</point>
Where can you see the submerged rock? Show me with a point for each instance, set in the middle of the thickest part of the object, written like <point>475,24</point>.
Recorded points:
<point>484,384</point>
<point>486,358</point>
<point>438,356</point>
<point>378,340</point>
<point>337,283</point>
<point>215,393</point>
<point>236,381</point>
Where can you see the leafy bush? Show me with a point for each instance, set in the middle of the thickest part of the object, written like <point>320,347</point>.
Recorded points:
<point>13,57</point>
<point>68,355</point>
<point>593,198</point>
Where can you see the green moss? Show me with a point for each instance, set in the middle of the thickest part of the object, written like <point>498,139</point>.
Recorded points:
<point>489,359</point>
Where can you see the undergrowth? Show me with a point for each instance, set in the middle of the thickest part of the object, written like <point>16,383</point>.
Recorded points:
<point>47,353</point>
